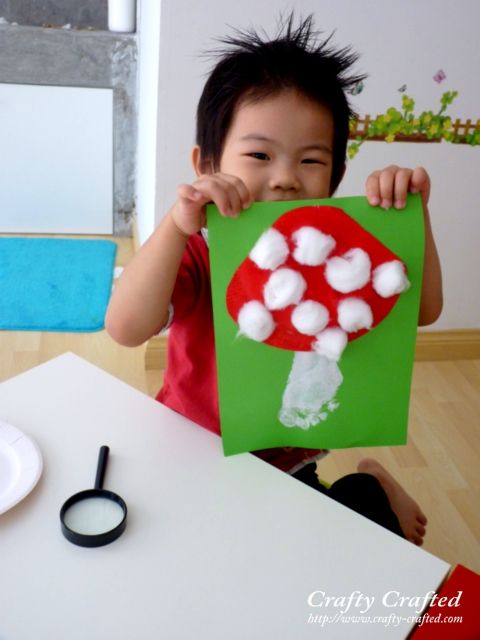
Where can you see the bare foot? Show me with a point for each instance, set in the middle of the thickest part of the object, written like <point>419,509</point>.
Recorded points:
<point>411,517</point>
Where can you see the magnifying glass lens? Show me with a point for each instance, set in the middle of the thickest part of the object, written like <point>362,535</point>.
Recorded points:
<point>93,516</point>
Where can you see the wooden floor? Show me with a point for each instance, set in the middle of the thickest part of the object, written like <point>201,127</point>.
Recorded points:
<point>440,466</point>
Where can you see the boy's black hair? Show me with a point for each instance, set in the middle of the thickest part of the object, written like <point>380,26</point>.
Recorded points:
<point>252,68</point>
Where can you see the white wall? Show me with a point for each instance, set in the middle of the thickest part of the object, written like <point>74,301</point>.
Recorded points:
<point>148,28</point>
<point>400,43</point>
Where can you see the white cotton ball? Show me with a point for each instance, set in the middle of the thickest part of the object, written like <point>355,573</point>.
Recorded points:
<point>284,287</point>
<point>354,314</point>
<point>331,343</point>
<point>312,246</point>
<point>390,279</point>
<point>348,272</point>
<point>270,251</point>
<point>255,321</point>
<point>310,317</point>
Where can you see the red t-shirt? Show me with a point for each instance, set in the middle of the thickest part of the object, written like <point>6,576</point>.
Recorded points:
<point>190,381</point>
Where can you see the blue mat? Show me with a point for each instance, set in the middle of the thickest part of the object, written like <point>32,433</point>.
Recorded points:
<point>55,285</point>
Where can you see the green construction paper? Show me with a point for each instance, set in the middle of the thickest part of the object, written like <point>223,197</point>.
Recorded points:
<point>377,368</point>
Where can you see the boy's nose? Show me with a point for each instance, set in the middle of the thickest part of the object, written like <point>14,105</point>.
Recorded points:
<point>284,178</point>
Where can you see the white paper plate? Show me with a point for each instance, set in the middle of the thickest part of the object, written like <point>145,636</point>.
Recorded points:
<point>20,465</point>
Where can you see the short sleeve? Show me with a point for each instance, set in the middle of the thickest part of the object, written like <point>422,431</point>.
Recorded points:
<point>192,276</point>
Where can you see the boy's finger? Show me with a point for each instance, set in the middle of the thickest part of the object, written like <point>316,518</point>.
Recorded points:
<point>189,192</point>
<point>373,189</point>
<point>240,187</point>
<point>401,187</point>
<point>234,190</point>
<point>386,181</point>
<point>235,205</point>
<point>221,193</point>
<point>420,183</point>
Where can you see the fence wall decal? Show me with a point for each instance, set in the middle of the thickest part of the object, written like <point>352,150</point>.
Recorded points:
<point>460,129</point>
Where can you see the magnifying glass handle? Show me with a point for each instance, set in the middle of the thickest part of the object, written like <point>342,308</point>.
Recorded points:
<point>101,466</point>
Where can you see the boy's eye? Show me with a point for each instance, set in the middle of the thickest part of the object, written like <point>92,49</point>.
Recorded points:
<point>312,161</point>
<point>258,155</point>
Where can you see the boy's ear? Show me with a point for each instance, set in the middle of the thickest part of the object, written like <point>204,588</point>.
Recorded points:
<point>198,165</point>
<point>196,157</point>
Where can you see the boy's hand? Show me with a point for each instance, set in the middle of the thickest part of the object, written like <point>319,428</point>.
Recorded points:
<point>228,192</point>
<point>390,186</point>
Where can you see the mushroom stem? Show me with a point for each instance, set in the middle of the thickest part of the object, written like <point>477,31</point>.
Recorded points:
<point>310,392</point>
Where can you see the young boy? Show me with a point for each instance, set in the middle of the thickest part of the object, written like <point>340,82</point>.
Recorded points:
<point>272,124</point>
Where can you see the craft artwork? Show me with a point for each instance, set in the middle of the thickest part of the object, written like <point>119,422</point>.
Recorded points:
<point>314,281</point>
<point>315,312</point>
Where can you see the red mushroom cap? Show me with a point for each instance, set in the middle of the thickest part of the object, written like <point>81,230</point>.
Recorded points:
<point>249,281</point>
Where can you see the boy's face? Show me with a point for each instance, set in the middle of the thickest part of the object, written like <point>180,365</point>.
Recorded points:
<point>281,147</point>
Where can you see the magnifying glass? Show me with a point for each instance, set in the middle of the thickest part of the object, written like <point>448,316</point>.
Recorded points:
<point>94,517</point>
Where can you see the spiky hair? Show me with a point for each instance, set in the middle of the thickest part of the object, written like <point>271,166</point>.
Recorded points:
<point>252,67</point>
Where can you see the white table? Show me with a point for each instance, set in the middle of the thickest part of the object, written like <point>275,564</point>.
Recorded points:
<point>216,548</point>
